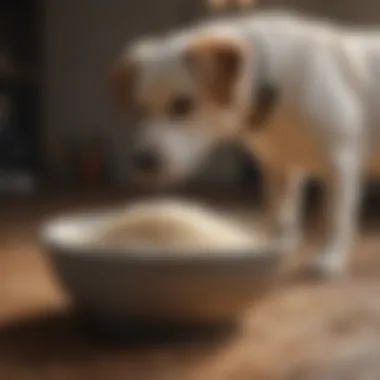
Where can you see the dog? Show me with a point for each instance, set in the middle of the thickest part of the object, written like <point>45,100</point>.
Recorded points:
<point>301,93</point>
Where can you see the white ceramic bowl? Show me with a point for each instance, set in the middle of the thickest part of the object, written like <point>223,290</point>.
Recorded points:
<point>183,288</point>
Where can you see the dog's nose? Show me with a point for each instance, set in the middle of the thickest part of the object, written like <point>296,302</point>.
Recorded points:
<point>146,160</point>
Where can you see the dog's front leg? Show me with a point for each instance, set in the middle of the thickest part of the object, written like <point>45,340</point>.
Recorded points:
<point>283,198</point>
<point>339,219</point>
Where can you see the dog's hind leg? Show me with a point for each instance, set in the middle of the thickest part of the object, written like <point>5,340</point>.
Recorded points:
<point>339,222</point>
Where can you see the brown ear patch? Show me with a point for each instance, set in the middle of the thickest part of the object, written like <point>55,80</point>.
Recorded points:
<point>216,62</point>
<point>122,80</point>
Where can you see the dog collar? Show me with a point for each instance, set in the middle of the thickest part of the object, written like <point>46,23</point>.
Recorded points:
<point>266,95</point>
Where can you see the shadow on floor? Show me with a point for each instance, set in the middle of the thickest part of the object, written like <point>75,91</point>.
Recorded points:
<point>67,337</point>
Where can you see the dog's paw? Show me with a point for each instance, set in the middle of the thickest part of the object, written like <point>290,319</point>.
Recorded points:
<point>326,265</point>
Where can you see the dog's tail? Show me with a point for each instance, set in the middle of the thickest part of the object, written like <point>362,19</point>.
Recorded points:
<point>222,5</point>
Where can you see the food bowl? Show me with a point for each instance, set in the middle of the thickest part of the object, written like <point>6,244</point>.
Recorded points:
<point>129,284</point>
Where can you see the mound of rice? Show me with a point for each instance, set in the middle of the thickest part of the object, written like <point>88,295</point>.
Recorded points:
<point>174,225</point>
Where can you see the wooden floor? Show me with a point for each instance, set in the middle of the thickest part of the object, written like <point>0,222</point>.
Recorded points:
<point>301,331</point>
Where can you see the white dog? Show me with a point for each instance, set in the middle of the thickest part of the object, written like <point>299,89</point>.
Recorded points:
<point>300,93</point>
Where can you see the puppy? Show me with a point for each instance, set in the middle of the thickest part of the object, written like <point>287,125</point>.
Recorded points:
<point>300,93</point>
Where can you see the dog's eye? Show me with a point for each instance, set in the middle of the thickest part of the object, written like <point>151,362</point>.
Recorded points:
<point>180,106</point>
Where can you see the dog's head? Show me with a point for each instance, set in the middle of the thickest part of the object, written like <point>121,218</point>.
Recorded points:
<point>189,92</point>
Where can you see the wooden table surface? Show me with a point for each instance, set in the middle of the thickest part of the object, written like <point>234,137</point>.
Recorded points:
<point>300,331</point>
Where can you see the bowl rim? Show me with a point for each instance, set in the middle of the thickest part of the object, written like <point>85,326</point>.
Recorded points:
<point>46,233</point>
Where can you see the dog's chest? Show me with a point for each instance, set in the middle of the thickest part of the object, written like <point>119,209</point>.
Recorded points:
<point>287,141</point>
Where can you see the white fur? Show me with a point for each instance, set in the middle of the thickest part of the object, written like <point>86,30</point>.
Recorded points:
<point>326,124</point>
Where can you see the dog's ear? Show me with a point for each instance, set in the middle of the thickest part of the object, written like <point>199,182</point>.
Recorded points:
<point>216,62</point>
<point>121,80</point>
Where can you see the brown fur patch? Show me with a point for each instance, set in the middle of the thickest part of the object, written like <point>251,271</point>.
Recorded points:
<point>216,62</point>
